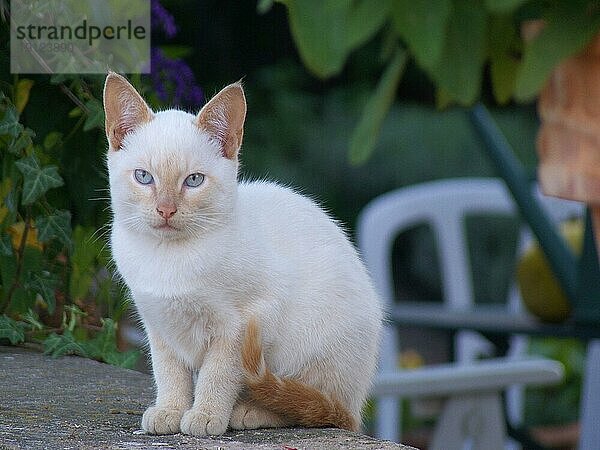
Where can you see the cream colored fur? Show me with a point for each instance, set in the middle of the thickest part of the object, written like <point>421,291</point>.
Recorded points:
<point>242,250</point>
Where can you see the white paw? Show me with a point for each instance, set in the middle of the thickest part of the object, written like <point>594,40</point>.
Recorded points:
<point>247,417</point>
<point>157,420</point>
<point>199,422</point>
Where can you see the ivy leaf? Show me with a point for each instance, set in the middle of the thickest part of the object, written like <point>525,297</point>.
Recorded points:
<point>56,225</point>
<point>9,121</point>
<point>5,245</point>
<point>95,115</point>
<point>37,179</point>
<point>44,285</point>
<point>12,330</point>
<point>569,27</point>
<point>63,344</point>
<point>364,137</point>
<point>22,90</point>
<point>422,27</point>
<point>22,142</point>
<point>460,68</point>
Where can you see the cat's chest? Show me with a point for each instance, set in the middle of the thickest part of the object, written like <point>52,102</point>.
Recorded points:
<point>162,271</point>
<point>187,328</point>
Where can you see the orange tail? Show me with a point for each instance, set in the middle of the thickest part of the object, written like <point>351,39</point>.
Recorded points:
<point>292,399</point>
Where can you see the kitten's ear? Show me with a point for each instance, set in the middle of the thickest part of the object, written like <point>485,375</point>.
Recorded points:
<point>124,109</point>
<point>223,119</point>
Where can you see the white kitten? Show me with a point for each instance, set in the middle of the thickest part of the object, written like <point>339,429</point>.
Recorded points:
<point>221,271</point>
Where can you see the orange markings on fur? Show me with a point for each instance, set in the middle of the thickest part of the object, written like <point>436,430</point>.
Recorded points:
<point>301,404</point>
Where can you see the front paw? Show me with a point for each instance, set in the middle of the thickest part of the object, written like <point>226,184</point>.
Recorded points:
<point>157,420</point>
<point>199,422</point>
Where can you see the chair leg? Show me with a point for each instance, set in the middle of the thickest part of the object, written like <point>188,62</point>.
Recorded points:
<point>590,399</point>
<point>477,418</point>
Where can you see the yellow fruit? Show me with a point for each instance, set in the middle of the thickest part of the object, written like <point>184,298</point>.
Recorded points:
<point>541,292</point>
<point>410,359</point>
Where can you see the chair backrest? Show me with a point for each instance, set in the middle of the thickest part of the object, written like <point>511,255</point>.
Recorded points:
<point>443,205</point>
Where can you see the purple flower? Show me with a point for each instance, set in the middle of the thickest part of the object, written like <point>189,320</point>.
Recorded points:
<point>174,81</point>
<point>163,19</point>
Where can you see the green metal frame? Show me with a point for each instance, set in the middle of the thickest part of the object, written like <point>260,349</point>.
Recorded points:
<point>579,279</point>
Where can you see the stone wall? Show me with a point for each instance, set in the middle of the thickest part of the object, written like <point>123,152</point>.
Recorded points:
<point>77,403</point>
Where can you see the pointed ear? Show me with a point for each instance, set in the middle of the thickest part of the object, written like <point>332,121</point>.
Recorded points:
<point>124,109</point>
<point>223,119</point>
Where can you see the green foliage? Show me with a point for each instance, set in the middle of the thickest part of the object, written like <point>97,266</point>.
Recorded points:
<point>362,143</point>
<point>55,289</point>
<point>37,180</point>
<point>332,29</point>
<point>12,330</point>
<point>570,25</point>
<point>557,403</point>
<point>103,347</point>
<point>410,18</point>
<point>452,41</point>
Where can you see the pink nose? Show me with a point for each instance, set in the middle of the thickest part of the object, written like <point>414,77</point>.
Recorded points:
<point>166,211</point>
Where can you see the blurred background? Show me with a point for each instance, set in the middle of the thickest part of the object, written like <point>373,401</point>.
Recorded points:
<point>384,109</point>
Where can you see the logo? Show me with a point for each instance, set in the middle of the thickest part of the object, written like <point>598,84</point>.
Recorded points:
<point>80,36</point>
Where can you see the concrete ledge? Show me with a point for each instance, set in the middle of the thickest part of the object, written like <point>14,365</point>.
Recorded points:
<point>76,403</point>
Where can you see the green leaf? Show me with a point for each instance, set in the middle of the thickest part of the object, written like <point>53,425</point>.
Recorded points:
<point>503,46</point>
<point>127,359</point>
<point>22,142</point>
<point>364,137</point>
<point>56,225</point>
<point>95,115</point>
<point>44,284</point>
<point>365,18</point>
<point>422,27</point>
<point>319,30</point>
<point>103,347</point>
<point>326,31</point>
<point>264,6</point>
<point>569,27</point>
<point>75,112</point>
<point>12,330</point>
<point>460,68</point>
<point>5,245</point>
<point>104,342</point>
<point>22,90</point>
<point>37,179</point>
<point>32,320</point>
<point>63,344</point>
<point>52,139</point>
<point>503,6</point>
<point>9,118</point>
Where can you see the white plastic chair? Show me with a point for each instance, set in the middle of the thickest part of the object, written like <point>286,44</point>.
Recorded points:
<point>443,205</point>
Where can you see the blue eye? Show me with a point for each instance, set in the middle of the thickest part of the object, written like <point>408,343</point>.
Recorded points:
<point>194,180</point>
<point>143,177</point>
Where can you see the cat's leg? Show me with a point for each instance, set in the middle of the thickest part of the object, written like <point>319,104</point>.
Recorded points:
<point>217,388</point>
<point>174,389</point>
<point>246,416</point>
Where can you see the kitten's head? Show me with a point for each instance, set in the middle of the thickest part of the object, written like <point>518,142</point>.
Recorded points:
<point>172,175</point>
